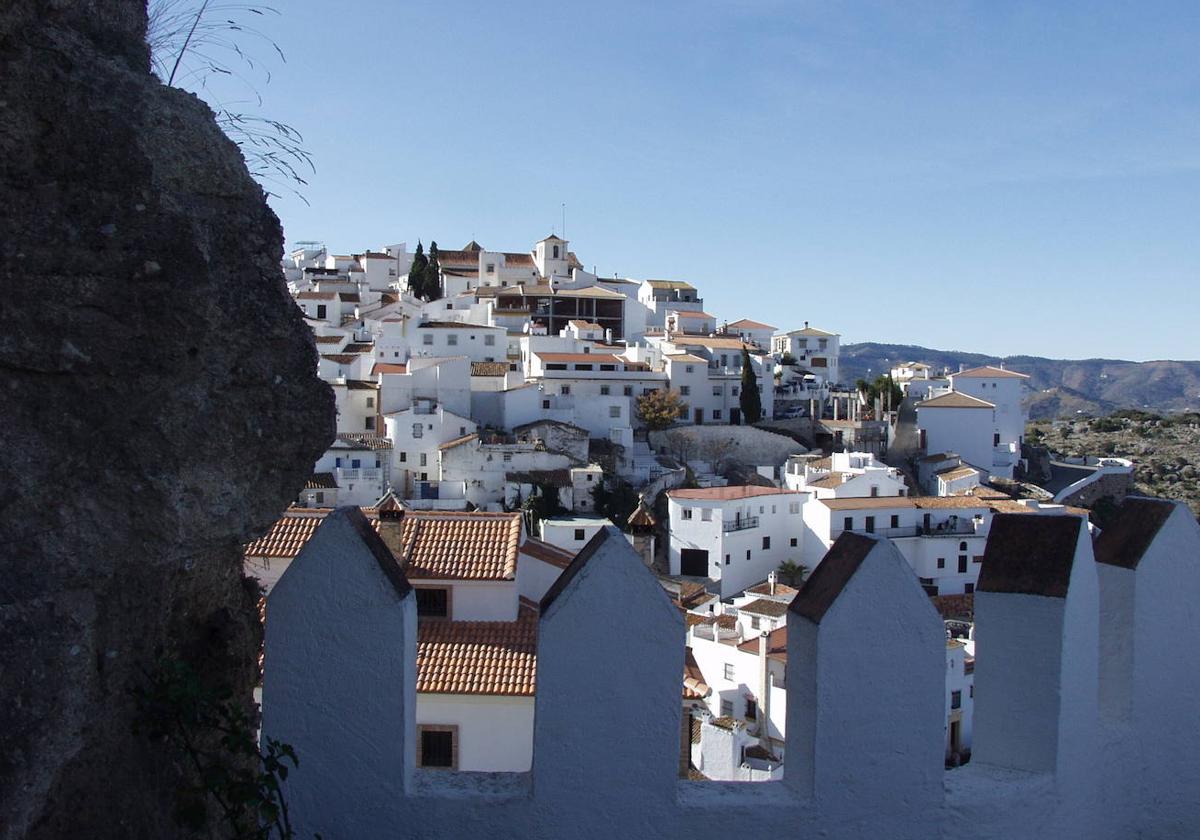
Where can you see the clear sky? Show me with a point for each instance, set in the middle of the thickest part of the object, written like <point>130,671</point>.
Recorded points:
<point>1001,177</point>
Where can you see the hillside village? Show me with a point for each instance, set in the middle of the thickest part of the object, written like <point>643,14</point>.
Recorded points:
<point>500,412</point>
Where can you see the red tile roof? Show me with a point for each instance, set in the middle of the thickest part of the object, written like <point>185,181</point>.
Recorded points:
<point>459,546</point>
<point>388,367</point>
<point>477,657</point>
<point>989,372</point>
<point>954,399</point>
<point>724,494</point>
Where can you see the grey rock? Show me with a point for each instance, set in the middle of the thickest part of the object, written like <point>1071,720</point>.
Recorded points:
<point>133,468</point>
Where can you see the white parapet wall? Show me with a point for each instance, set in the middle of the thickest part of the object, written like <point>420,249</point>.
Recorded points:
<point>1069,743</point>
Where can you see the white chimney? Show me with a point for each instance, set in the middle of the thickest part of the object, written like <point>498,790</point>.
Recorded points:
<point>764,688</point>
<point>771,578</point>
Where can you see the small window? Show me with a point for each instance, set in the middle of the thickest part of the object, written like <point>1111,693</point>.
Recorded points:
<point>614,411</point>
<point>793,542</point>
<point>370,402</point>
<point>564,389</point>
<point>433,602</point>
<point>604,389</point>
<point>962,546</point>
<point>507,456</point>
<point>955,699</point>
<point>628,391</point>
<point>747,554</point>
<point>754,622</point>
<point>716,390</point>
<point>751,709</point>
<point>848,523</point>
<point>438,747</point>
<point>962,564</point>
<point>685,390</point>
<point>320,310</point>
<point>793,507</point>
<point>706,514</point>
<point>726,559</point>
<point>580,533</point>
<point>427,339</point>
<point>870,525</point>
<point>766,543</point>
<point>452,340</point>
<point>968,588</point>
<point>424,459</point>
<point>687,513</point>
<point>726,708</point>
<point>689,368</point>
<point>555,252</point>
<point>418,430</point>
<point>716,414</point>
<point>489,340</point>
<point>490,268</point>
<point>369,424</point>
<point>734,390</point>
<point>462,431</point>
<point>874,490</point>
<point>941,564</point>
<point>545,403</point>
<point>403,457</point>
<point>319,498</point>
<point>729,675</point>
<point>895,521</point>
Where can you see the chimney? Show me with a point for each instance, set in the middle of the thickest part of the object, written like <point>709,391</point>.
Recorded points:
<point>764,689</point>
<point>771,578</point>
<point>806,325</point>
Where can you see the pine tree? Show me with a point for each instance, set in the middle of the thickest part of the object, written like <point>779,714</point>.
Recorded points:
<point>431,288</point>
<point>750,400</point>
<point>416,274</point>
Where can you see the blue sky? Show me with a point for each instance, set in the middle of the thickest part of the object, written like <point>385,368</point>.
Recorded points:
<point>1000,177</point>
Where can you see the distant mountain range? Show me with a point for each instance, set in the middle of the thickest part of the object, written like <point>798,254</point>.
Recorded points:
<point>1057,387</point>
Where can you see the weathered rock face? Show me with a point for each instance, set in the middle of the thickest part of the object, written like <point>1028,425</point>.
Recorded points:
<point>160,407</point>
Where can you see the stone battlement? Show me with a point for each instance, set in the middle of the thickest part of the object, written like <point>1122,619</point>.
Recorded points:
<point>1085,706</point>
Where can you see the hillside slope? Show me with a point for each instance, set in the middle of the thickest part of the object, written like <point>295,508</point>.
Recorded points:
<point>1057,387</point>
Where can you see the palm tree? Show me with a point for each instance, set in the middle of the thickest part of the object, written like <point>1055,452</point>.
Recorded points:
<point>793,573</point>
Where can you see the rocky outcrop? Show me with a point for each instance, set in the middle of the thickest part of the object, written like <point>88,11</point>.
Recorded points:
<point>160,408</point>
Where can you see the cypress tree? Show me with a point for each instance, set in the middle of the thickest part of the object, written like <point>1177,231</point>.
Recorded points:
<point>431,289</point>
<point>750,400</point>
<point>416,274</point>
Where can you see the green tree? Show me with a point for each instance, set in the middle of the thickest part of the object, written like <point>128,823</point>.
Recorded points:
<point>881,387</point>
<point>750,399</point>
<point>615,499</point>
<point>431,288</point>
<point>659,409</point>
<point>543,504</point>
<point>416,274</point>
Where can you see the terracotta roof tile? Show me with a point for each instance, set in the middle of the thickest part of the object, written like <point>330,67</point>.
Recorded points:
<point>329,339</point>
<point>321,481</point>
<point>954,399</point>
<point>723,494</point>
<point>776,644</point>
<point>746,323</point>
<point>388,367</point>
<point>459,546</point>
<point>341,358</point>
<point>477,657</point>
<point>989,372</point>
<point>763,606</point>
<point>489,369</point>
<point>289,534</point>
<point>551,554</point>
<point>365,441</point>
<point>694,685</point>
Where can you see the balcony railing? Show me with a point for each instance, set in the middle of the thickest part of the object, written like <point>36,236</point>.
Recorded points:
<point>945,530</point>
<point>739,524</point>
<point>355,474</point>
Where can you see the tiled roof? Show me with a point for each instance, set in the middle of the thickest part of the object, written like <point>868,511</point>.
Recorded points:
<point>388,367</point>
<point>546,552</point>
<point>955,399</point>
<point>329,339</point>
<point>670,284</point>
<point>989,372</point>
<point>598,358</point>
<point>321,481</point>
<point>365,441</point>
<point>955,473</point>
<point>489,369</point>
<point>585,325</point>
<point>694,686</point>
<point>686,357</point>
<point>762,606</point>
<point>747,324</point>
<point>590,292</point>
<point>1029,555</point>
<point>289,534</point>
<point>513,260</point>
<point>360,347</point>
<point>459,441</point>
<point>341,358</point>
<point>812,332</point>
<point>459,546</point>
<point>349,297</point>
<point>776,644</point>
<point>361,385</point>
<point>782,590</point>
<point>717,343</point>
<point>696,316</point>
<point>828,482</point>
<point>723,494</point>
<point>477,657</point>
<point>315,296</point>
<point>1128,536</point>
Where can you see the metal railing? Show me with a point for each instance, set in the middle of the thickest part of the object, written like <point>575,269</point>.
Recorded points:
<point>739,524</point>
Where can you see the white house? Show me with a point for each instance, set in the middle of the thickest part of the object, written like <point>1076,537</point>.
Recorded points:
<point>734,536</point>
<point>813,349</point>
<point>416,434</point>
<point>361,466</point>
<point>844,475</point>
<point>752,332</point>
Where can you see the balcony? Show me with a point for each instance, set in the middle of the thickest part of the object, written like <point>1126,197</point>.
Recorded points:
<point>355,474</point>
<point>741,523</point>
<point>946,529</point>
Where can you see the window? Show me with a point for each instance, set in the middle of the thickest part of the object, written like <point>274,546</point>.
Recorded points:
<point>729,675</point>
<point>726,708</point>
<point>941,562</point>
<point>685,390</point>
<point>734,391</point>
<point>369,425</point>
<point>424,459</point>
<point>507,456</point>
<point>490,268</point>
<point>489,340</point>
<point>403,457</point>
<point>848,523</point>
<point>462,431</point>
<point>874,490</point>
<point>355,463</point>
<point>608,367</point>
<point>689,368</point>
<point>427,339</point>
<point>751,709</point>
<point>433,602</point>
<point>955,699</point>
<point>962,564</point>
<point>716,390</point>
<point>895,521</point>
<point>564,389</point>
<point>545,403</point>
<point>996,439</point>
<point>452,340</point>
<point>726,559</point>
<point>555,252</point>
<point>962,546</point>
<point>628,391</point>
<point>793,542</point>
<point>716,414</point>
<point>580,533</point>
<point>971,691</point>
<point>747,554</point>
<point>968,588</point>
<point>793,507</point>
<point>320,310</point>
<point>687,513</point>
<point>766,543</point>
<point>319,498</point>
<point>370,402</point>
<point>437,746</point>
<point>604,389</point>
<point>614,411</point>
<point>754,622</point>
<point>870,525</point>
<point>418,430</point>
